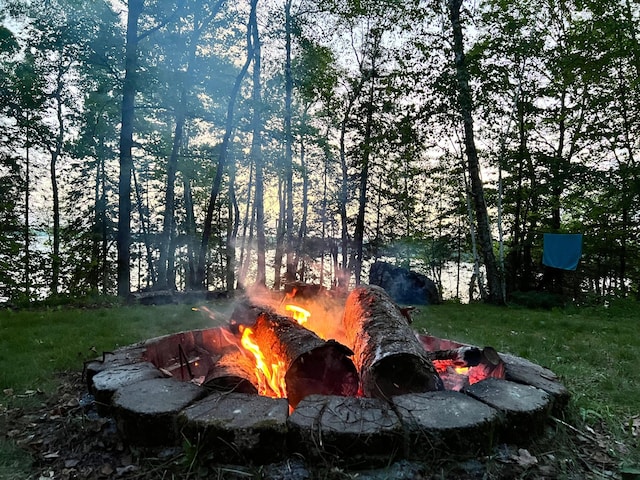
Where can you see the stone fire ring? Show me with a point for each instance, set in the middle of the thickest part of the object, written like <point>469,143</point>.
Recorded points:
<point>151,409</point>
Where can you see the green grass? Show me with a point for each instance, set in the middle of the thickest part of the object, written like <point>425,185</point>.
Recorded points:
<point>594,351</point>
<point>36,344</point>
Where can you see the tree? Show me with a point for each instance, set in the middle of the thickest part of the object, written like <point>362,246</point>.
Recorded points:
<point>465,105</point>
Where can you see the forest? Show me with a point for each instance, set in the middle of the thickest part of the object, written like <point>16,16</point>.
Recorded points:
<point>209,145</point>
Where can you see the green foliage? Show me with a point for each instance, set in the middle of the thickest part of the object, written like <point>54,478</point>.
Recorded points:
<point>536,299</point>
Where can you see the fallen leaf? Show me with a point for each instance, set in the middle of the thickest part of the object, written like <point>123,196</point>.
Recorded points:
<point>71,463</point>
<point>106,469</point>
<point>128,469</point>
<point>525,459</point>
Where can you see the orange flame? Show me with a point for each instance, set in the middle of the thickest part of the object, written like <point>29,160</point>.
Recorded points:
<point>299,314</point>
<point>270,380</point>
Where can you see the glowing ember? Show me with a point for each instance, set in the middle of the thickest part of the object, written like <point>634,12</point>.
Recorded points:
<point>299,314</point>
<point>270,379</point>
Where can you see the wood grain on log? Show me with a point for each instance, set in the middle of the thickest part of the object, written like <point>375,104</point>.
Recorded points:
<point>390,359</point>
<point>312,364</point>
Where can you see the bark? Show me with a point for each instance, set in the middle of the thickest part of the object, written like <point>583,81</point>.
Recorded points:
<point>465,104</point>
<point>256,153</point>
<point>312,365</point>
<point>302,232</point>
<point>390,359</point>
<point>290,273</point>
<point>358,236</point>
<point>234,371</point>
<point>55,156</point>
<point>126,144</point>
<point>144,226</point>
<point>281,231</point>
<point>217,182</point>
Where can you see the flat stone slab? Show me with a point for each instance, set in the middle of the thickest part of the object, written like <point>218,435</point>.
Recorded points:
<point>351,429</point>
<point>524,407</point>
<point>445,421</point>
<point>104,384</point>
<point>523,371</point>
<point>123,356</point>
<point>238,426</point>
<point>146,411</point>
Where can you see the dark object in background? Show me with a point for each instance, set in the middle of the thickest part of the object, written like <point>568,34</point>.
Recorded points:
<point>403,285</point>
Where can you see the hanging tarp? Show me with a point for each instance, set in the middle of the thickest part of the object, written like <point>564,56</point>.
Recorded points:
<point>562,250</point>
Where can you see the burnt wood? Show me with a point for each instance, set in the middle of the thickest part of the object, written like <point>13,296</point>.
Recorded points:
<point>312,364</point>
<point>233,372</point>
<point>390,359</point>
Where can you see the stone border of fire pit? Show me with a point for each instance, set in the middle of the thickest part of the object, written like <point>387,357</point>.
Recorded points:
<point>151,409</point>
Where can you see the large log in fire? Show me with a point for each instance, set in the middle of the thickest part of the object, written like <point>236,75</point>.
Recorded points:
<point>311,364</point>
<point>390,359</point>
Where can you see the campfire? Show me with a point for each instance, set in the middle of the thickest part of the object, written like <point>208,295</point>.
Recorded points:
<point>370,350</point>
<point>313,365</point>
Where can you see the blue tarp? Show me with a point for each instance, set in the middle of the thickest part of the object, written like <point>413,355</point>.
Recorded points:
<point>562,250</point>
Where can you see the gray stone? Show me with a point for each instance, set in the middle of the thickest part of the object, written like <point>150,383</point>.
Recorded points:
<point>238,427</point>
<point>445,421</point>
<point>122,356</point>
<point>352,430</point>
<point>105,383</point>
<point>524,407</point>
<point>146,411</point>
<point>523,371</point>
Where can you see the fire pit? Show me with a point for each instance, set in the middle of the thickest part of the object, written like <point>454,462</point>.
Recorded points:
<point>346,380</point>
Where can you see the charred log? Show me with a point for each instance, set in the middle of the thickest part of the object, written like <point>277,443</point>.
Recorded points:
<point>233,372</point>
<point>312,365</point>
<point>390,359</point>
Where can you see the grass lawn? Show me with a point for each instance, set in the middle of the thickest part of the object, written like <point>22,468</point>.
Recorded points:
<point>595,351</point>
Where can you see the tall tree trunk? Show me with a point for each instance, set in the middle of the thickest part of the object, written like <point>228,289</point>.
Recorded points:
<point>247,226</point>
<point>55,155</point>
<point>280,237</point>
<point>256,150</point>
<point>465,104</point>
<point>144,227</point>
<point>126,144</point>
<point>342,268</point>
<point>27,217</point>
<point>233,221</point>
<point>290,273</point>
<point>358,236</point>
<point>222,163</point>
<point>190,231</point>
<point>166,277</point>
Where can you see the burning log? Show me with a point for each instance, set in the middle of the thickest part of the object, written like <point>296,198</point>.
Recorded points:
<point>233,372</point>
<point>390,359</point>
<point>310,364</point>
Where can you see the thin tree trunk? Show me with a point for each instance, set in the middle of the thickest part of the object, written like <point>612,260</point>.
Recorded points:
<point>222,163</point>
<point>256,150</point>
<point>27,225</point>
<point>55,155</point>
<point>247,224</point>
<point>302,232</point>
<point>290,273</point>
<point>465,103</point>
<point>280,235</point>
<point>341,269</point>
<point>126,144</point>
<point>144,227</point>
<point>358,236</point>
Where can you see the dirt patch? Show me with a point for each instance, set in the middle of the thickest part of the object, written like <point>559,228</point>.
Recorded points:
<point>67,439</point>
